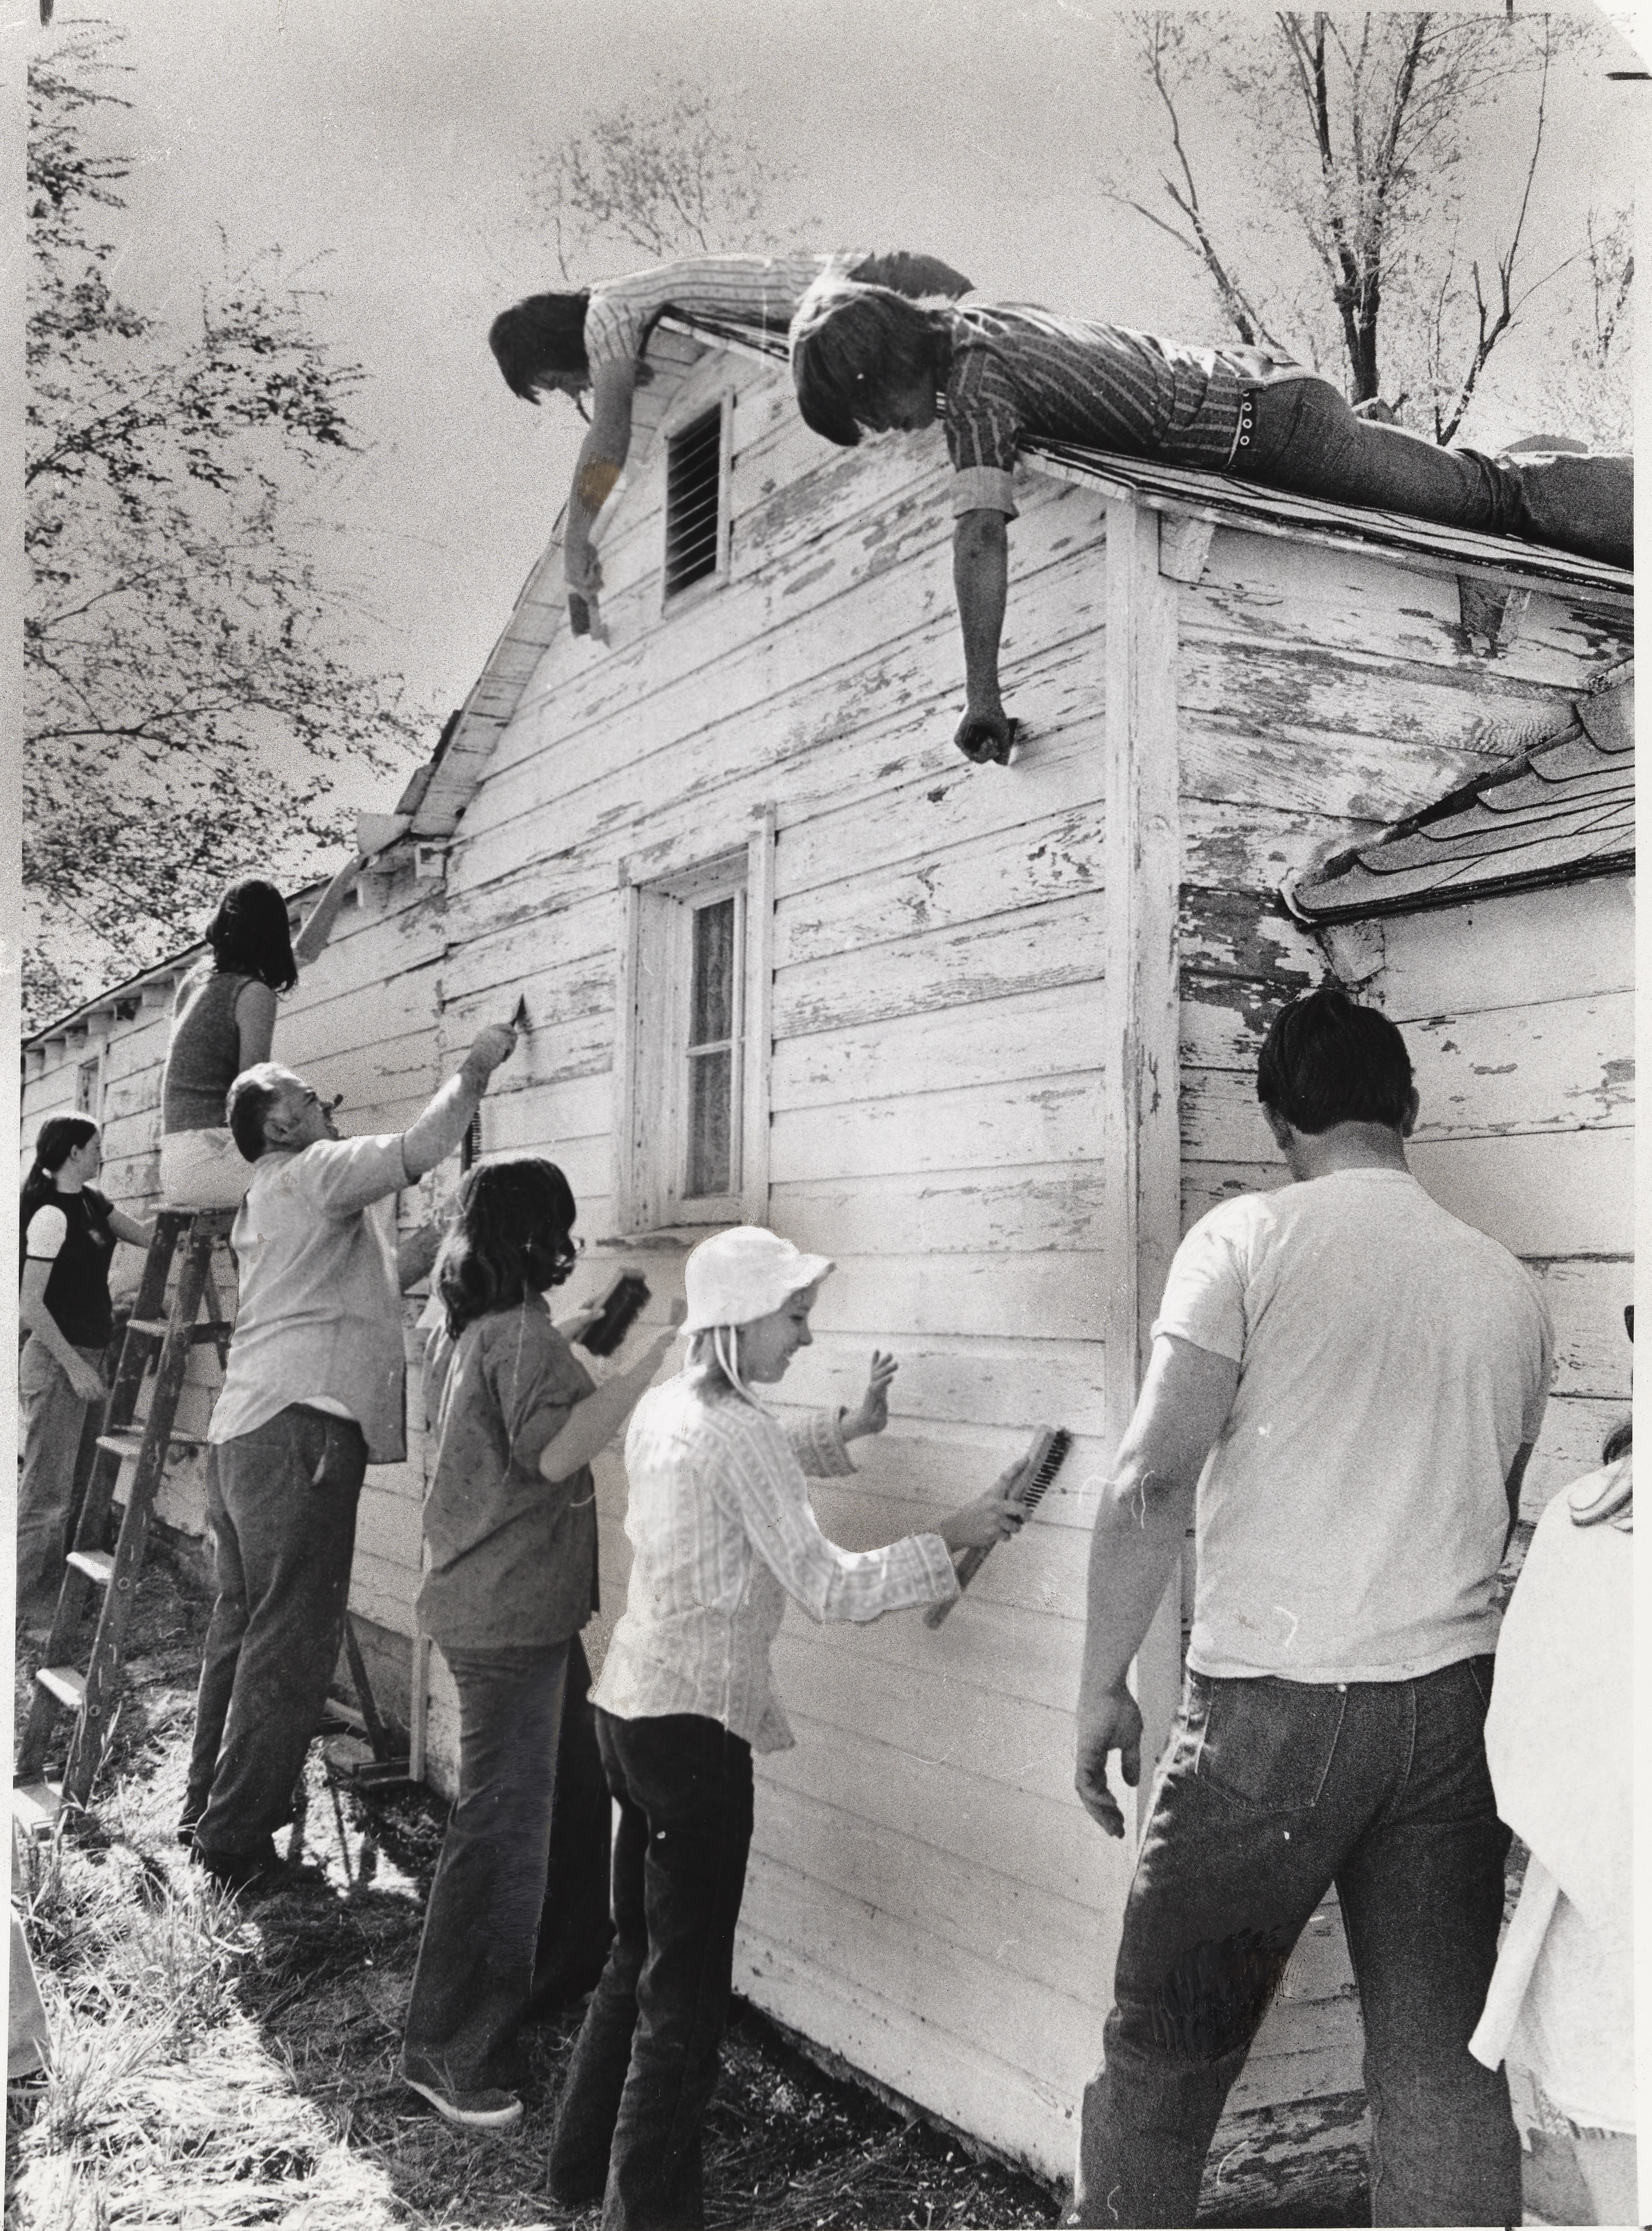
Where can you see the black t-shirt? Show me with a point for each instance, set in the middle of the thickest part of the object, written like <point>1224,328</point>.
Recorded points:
<point>77,1288</point>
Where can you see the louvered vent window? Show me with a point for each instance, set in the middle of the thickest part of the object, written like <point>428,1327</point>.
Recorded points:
<point>694,501</point>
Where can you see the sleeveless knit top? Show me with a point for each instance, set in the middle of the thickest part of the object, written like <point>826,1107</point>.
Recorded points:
<point>203,1055</point>
<point>77,1288</point>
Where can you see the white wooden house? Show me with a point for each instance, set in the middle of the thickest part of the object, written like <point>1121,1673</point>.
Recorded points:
<point>987,1037</point>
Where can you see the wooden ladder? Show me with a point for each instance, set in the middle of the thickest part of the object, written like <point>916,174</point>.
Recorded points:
<point>156,1338</point>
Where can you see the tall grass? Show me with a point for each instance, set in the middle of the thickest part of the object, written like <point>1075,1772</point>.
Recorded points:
<point>162,2103</point>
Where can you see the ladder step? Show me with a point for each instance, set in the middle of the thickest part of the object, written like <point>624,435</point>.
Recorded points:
<point>97,1564</point>
<point>35,1806</point>
<point>158,1328</point>
<point>64,1683</point>
<point>126,1440</point>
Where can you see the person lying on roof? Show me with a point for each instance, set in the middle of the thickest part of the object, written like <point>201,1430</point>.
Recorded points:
<point>594,338</point>
<point>863,359</point>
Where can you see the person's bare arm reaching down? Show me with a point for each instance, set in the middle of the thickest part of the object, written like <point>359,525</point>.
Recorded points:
<point>1139,1528</point>
<point>600,460</point>
<point>981,580</point>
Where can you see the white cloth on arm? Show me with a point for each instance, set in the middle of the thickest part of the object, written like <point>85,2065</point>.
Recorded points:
<point>1351,1518</point>
<point>722,1532</point>
<point>983,488</point>
<point>47,1230</point>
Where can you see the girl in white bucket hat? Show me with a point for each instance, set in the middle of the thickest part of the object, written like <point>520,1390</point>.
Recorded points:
<point>722,1533</point>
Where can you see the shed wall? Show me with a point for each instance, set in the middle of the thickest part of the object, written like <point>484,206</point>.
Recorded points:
<point>925,1898</point>
<point>1323,696</point>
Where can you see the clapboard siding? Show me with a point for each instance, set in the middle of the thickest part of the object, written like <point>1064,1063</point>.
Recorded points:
<point>1041,1205</point>
<point>927,1898</point>
<point>938,944</point>
<point>1554,1195</point>
<point>1576,941</point>
<point>362,1021</point>
<point>1321,695</point>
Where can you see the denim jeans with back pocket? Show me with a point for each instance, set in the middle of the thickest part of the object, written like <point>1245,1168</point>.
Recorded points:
<point>1272,1792</point>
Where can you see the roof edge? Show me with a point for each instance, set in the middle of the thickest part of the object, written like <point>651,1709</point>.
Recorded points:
<point>1434,900</point>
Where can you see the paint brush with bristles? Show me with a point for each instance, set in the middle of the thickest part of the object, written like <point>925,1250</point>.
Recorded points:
<point>1039,1467</point>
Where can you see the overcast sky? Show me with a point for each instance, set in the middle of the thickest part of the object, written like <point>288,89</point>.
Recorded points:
<point>385,145</point>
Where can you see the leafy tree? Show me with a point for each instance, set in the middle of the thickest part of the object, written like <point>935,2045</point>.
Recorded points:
<point>191,692</point>
<point>1359,131</point>
<point>1590,395</point>
<point>664,177</point>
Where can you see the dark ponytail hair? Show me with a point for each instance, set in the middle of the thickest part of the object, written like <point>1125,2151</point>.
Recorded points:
<point>59,1136</point>
<point>535,338</point>
<point>250,935</point>
<point>511,1239</point>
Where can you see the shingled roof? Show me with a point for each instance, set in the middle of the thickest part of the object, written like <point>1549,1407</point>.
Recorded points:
<point>1566,810</point>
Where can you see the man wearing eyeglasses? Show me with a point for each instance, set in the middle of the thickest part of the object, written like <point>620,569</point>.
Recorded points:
<point>313,1394</point>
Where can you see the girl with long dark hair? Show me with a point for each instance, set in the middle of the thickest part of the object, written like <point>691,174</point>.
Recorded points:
<point>68,1230</point>
<point>510,1523</point>
<point>223,1018</point>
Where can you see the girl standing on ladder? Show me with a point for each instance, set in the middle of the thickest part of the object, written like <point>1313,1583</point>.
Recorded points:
<point>223,1019</point>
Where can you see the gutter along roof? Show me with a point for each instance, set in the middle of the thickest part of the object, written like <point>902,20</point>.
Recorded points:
<point>1563,811</point>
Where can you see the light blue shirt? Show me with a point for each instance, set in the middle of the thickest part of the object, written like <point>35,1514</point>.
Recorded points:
<point>320,1318</point>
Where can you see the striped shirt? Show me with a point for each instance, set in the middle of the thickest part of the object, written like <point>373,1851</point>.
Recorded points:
<point>759,292</point>
<point>743,290</point>
<point>1020,374</point>
<point>722,1533</point>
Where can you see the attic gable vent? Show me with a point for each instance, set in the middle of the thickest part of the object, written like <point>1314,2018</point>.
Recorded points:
<point>694,502</point>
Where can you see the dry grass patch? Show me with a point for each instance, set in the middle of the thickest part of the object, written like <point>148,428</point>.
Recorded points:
<point>223,2066</point>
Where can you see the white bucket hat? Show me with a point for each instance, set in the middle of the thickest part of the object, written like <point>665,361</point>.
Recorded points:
<point>743,1274</point>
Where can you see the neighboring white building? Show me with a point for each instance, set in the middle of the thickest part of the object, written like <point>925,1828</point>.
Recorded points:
<point>987,1037</point>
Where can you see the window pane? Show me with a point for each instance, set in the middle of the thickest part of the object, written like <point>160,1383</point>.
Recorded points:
<point>709,1077</point>
<point>711,1015</point>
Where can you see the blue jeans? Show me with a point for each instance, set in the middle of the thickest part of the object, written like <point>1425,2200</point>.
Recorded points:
<point>1272,1792</point>
<point>281,1512</point>
<point>470,1988</point>
<point>52,1416</point>
<point>1305,437</point>
<point>645,2062</point>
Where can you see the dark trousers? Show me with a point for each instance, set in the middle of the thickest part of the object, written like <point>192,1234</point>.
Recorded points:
<point>470,1988</point>
<point>1305,437</point>
<point>1272,1792</point>
<point>575,1930</point>
<point>645,2062</point>
<point>282,1510</point>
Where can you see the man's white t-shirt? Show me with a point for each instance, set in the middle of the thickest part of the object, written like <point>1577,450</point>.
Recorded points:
<point>1352,1518</point>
